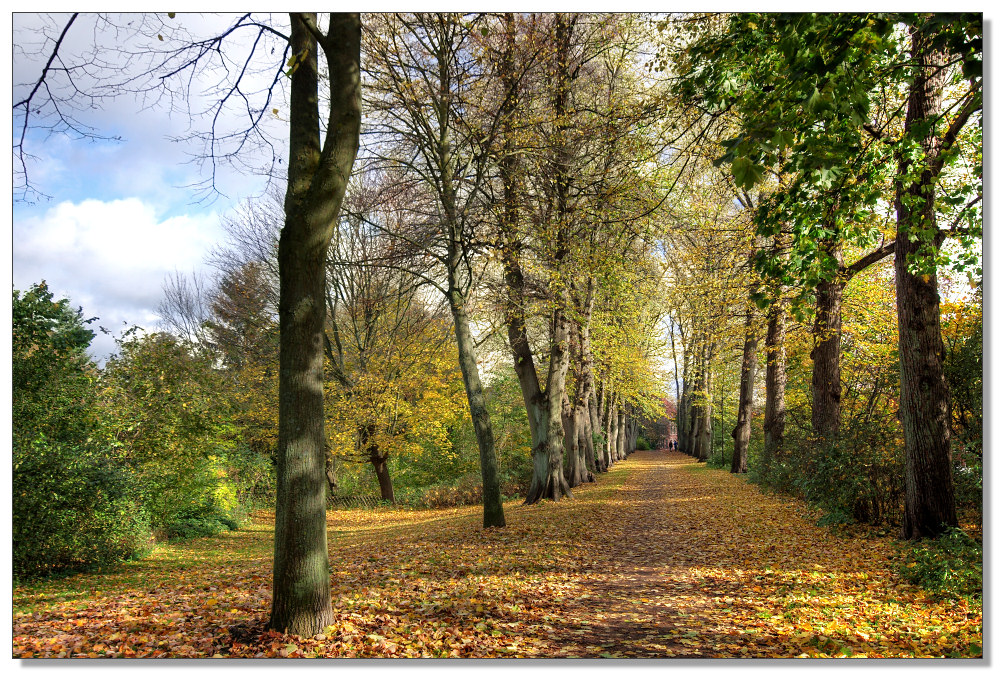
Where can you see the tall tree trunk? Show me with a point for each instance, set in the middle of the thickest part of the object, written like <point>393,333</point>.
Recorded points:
<point>826,389</point>
<point>704,440</point>
<point>923,402</point>
<point>701,443</point>
<point>620,441</point>
<point>553,484</point>
<point>586,443</point>
<point>744,415</point>
<point>695,421</point>
<point>457,294</point>
<point>331,472</point>
<point>599,430</point>
<point>317,180</point>
<point>677,388</point>
<point>612,442</point>
<point>585,405</point>
<point>774,382</point>
<point>571,447</point>
<point>683,407</point>
<point>489,467</point>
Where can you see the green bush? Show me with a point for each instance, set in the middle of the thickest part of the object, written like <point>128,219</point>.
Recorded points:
<point>641,444</point>
<point>857,479</point>
<point>196,523</point>
<point>951,565</point>
<point>73,509</point>
<point>251,475</point>
<point>968,477</point>
<point>717,460</point>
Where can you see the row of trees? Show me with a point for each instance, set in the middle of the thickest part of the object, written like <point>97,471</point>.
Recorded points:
<point>828,124</point>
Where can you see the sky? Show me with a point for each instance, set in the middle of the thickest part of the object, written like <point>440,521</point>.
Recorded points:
<point>118,216</point>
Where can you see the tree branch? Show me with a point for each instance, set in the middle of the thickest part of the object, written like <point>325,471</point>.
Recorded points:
<point>885,250</point>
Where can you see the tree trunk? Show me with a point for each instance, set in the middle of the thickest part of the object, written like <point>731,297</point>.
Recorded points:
<point>317,180</point>
<point>331,473</point>
<point>826,354</point>
<point>775,379</point>
<point>744,415</point>
<point>573,466</point>
<point>597,432</point>
<point>923,401</point>
<point>620,440</point>
<point>683,407</point>
<point>612,442</point>
<point>585,404</point>
<point>695,421</point>
<point>704,441</point>
<point>586,443</point>
<point>489,467</point>
<point>548,479</point>
<point>379,461</point>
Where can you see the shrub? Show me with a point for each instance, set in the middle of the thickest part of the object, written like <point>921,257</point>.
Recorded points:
<point>951,565</point>
<point>73,504</point>
<point>468,490</point>
<point>73,509</point>
<point>717,460</point>
<point>201,522</point>
<point>251,477</point>
<point>858,478</point>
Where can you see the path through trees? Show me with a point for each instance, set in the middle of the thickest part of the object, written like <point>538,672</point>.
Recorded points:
<point>666,558</point>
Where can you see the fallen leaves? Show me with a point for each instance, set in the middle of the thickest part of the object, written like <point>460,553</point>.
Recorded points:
<point>662,558</point>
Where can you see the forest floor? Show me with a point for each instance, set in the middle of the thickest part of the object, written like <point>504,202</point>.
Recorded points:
<point>662,557</point>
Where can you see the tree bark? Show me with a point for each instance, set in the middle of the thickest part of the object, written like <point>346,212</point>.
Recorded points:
<point>612,422</point>
<point>379,461</point>
<point>923,402</point>
<point>586,443</point>
<point>827,329</point>
<point>571,445</point>
<point>620,445</point>
<point>744,415</point>
<point>489,467</point>
<point>775,380</point>
<point>317,180</point>
<point>548,479</point>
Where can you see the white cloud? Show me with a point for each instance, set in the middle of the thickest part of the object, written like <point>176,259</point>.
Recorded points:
<point>110,257</point>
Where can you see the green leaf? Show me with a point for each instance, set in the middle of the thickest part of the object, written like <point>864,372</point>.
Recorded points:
<point>746,172</point>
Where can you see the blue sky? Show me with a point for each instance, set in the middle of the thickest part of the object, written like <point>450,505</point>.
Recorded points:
<point>119,215</point>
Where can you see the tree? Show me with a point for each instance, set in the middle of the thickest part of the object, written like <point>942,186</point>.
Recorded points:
<point>841,72</point>
<point>318,173</point>
<point>748,371</point>
<point>388,347</point>
<point>421,77</point>
<point>169,62</point>
<point>74,502</point>
<point>166,421</point>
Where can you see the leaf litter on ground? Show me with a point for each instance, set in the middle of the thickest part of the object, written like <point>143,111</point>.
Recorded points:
<point>661,557</point>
